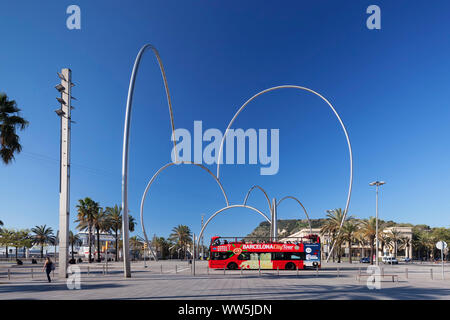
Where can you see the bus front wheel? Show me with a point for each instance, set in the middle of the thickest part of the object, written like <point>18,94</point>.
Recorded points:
<point>290,266</point>
<point>232,266</point>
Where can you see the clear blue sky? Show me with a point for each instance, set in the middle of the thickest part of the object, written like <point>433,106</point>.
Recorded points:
<point>391,87</point>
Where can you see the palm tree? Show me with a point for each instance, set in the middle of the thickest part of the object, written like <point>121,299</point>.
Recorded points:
<point>331,228</point>
<point>10,121</point>
<point>136,245</point>
<point>349,230</point>
<point>395,236</point>
<point>100,223</point>
<point>74,240</point>
<point>114,217</point>
<point>367,230</point>
<point>7,239</point>
<point>42,236</point>
<point>406,242</point>
<point>87,209</point>
<point>385,240</point>
<point>181,235</point>
<point>115,223</point>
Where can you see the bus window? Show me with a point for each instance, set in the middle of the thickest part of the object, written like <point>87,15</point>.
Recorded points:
<point>254,256</point>
<point>244,256</point>
<point>297,256</point>
<point>219,256</point>
<point>265,256</point>
<point>279,256</point>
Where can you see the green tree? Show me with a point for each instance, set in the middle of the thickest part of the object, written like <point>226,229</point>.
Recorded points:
<point>367,231</point>
<point>87,209</point>
<point>181,235</point>
<point>331,228</point>
<point>114,217</point>
<point>136,246</point>
<point>101,224</point>
<point>43,236</point>
<point>396,237</point>
<point>7,239</point>
<point>10,121</point>
<point>349,230</point>
<point>74,240</point>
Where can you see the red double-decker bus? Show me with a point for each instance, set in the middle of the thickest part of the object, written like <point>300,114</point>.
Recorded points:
<point>257,253</point>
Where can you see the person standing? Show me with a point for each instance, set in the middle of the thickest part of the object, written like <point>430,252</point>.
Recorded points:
<point>48,267</point>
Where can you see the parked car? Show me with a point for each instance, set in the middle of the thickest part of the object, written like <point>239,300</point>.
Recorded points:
<point>389,260</point>
<point>406,260</point>
<point>364,260</point>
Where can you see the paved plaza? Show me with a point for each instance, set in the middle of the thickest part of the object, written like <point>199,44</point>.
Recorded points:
<point>173,280</point>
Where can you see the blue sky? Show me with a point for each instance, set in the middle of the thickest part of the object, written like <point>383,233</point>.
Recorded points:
<point>390,87</point>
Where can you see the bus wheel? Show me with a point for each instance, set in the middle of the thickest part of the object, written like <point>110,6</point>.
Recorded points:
<point>232,266</point>
<point>290,266</point>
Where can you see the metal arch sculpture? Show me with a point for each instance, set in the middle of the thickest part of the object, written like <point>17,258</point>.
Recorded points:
<point>144,196</point>
<point>224,209</point>
<point>337,116</point>
<point>304,209</point>
<point>263,191</point>
<point>125,153</point>
<point>126,140</point>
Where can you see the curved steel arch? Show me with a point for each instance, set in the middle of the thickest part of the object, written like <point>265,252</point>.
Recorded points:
<point>224,209</point>
<point>151,182</point>
<point>263,191</point>
<point>126,140</point>
<point>335,113</point>
<point>298,201</point>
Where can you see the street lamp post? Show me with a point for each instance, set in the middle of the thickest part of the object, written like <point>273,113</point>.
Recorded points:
<point>377,184</point>
<point>65,89</point>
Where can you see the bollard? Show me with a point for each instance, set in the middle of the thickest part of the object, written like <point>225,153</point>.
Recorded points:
<point>161,270</point>
<point>259,271</point>
<point>224,270</point>
<point>317,271</point>
<point>382,271</point>
<point>31,273</point>
<point>338,272</point>
<point>297,270</point>
<point>431,273</point>
<point>88,270</point>
<point>9,275</point>
<point>176,271</point>
<point>241,272</point>
<point>278,271</point>
<point>207,270</point>
<point>406,273</point>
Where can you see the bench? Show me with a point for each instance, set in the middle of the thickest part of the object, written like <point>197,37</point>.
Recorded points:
<point>394,276</point>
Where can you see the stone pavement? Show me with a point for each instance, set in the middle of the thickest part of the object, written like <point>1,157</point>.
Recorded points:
<point>150,283</point>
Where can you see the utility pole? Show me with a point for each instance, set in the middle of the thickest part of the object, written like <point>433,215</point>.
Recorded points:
<point>65,89</point>
<point>274,220</point>
<point>202,239</point>
<point>377,184</point>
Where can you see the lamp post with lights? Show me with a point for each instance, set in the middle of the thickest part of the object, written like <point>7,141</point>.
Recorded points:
<point>377,184</point>
<point>65,89</point>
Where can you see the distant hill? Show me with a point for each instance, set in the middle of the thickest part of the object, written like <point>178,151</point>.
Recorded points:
<point>285,227</point>
<point>290,226</point>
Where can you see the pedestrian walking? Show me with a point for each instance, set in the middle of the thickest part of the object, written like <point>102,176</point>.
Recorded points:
<point>49,266</point>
